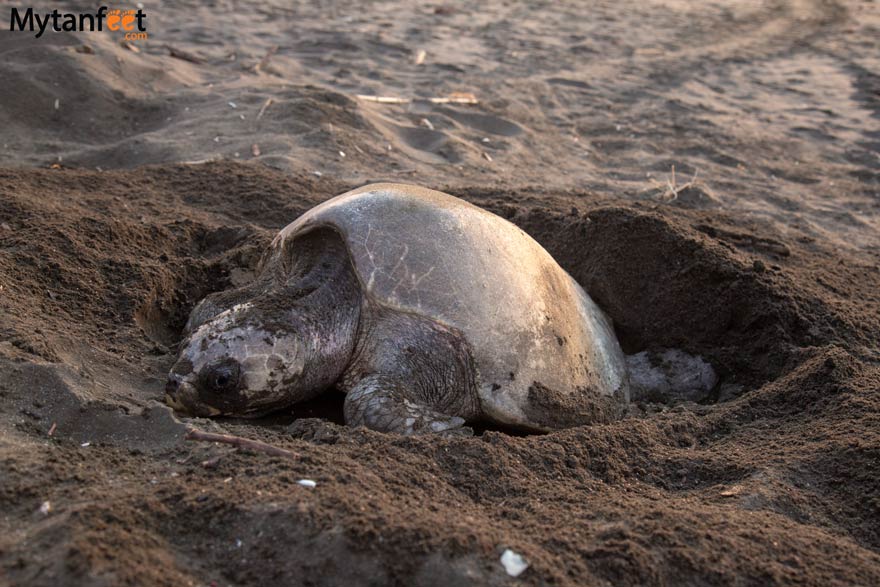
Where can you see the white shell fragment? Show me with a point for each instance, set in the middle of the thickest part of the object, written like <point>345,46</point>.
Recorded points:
<point>306,483</point>
<point>513,563</point>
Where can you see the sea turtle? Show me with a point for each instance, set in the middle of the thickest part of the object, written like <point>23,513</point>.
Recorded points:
<point>430,313</point>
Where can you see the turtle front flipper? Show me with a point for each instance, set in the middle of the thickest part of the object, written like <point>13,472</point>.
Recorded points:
<point>383,404</point>
<point>410,375</point>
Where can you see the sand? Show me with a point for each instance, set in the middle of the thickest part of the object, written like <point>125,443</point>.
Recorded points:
<point>132,183</point>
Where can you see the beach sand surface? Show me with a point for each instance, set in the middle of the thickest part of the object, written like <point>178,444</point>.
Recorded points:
<point>709,172</point>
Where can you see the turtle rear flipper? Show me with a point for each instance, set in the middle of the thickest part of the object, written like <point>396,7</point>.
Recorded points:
<point>670,376</point>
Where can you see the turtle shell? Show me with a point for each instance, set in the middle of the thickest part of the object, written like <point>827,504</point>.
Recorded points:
<point>546,355</point>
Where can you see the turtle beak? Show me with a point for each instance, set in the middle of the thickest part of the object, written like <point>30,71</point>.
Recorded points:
<point>182,397</point>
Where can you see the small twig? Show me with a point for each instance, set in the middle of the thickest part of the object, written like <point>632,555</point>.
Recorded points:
<point>178,54</point>
<point>673,189</point>
<point>455,98</point>
<point>212,462</point>
<point>383,99</point>
<point>265,60</point>
<point>52,428</point>
<point>262,111</point>
<point>129,46</point>
<point>244,443</point>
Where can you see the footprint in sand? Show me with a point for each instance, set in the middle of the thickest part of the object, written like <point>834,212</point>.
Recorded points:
<point>486,123</point>
<point>441,143</point>
<point>420,143</point>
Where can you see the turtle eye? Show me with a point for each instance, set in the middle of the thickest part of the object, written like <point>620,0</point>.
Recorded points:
<point>222,376</point>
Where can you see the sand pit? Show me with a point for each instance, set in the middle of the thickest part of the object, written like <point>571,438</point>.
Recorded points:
<point>781,461</point>
<point>760,254</point>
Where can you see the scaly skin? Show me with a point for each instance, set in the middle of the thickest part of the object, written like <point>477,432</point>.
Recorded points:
<point>409,374</point>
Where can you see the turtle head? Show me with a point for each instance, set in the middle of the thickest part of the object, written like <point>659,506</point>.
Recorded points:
<point>279,340</point>
<point>231,365</point>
